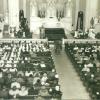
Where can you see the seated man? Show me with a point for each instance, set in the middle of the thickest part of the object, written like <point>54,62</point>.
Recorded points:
<point>4,93</point>
<point>8,80</point>
<point>31,91</point>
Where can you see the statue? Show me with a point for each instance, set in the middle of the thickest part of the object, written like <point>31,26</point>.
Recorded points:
<point>92,22</point>
<point>6,18</point>
<point>80,20</point>
<point>95,20</point>
<point>69,9</point>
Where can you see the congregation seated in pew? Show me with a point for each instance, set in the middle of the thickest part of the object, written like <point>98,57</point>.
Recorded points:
<point>86,60</point>
<point>22,74</point>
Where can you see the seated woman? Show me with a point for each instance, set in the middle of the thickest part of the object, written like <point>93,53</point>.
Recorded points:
<point>42,65</point>
<point>30,80</point>
<point>14,92</point>
<point>21,73</point>
<point>13,70</point>
<point>23,91</point>
<point>20,79</point>
<point>28,73</point>
<point>56,76</point>
<point>43,91</point>
<point>4,69</point>
<point>15,84</point>
<point>55,92</point>
<point>36,72</point>
<point>36,78</point>
<point>44,79</point>
<point>51,74</point>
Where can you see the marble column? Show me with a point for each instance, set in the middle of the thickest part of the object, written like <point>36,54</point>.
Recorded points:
<point>28,11</point>
<point>68,9</point>
<point>5,6</point>
<point>1,7</point>
<point>24,7</point>
<point>13,6</point>
<point>76,11</point>
<point>6,11</point>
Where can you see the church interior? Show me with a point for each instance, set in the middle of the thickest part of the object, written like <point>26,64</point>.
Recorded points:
<point>49,49</point>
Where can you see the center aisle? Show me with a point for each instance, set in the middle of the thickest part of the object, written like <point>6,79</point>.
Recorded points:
<point>71,85</point>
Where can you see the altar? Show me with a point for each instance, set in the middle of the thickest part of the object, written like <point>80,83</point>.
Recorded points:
<point>54,34</point>
<point>50,14</point>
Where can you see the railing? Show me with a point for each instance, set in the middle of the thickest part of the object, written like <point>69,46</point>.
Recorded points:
<point>23,40</point>
<point>81,40</point>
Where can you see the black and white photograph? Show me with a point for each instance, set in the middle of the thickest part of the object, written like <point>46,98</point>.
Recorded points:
<point>49,49</point>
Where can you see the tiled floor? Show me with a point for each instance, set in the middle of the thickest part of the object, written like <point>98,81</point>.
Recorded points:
<point>71,85</point>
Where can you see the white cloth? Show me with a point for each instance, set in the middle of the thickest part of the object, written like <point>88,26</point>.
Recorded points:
<point>23,92</point>
<point>14,93</point>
